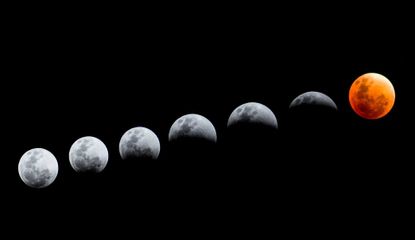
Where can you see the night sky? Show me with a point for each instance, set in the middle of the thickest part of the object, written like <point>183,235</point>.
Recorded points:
<point>99,78</point>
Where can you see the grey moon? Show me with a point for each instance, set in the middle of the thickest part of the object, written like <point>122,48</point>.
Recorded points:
<point>88,154</point>
<point>313,98</point>
<point>38,168</point>
<point>253,112</point>
<point>139,142</point>
<point>192,126</point>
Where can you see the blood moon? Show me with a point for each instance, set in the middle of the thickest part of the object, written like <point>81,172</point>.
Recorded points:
<point>372,96</point>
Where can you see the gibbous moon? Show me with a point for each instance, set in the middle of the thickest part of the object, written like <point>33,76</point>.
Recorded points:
<point>88,154</point>
<point>372,96</point>
<point>253,112</point>
<point>38,168</point>
<point>315,99</point>
<point>139,143</point>
<point>192,126</point>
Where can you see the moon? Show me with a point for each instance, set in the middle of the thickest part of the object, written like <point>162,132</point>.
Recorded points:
<point>139,143</point>
<point>38,168</point>
<point>88,154</point>
<point>193,126</point>
<point>253,112</point>
<point>372,96</point>
<point>314,99</point>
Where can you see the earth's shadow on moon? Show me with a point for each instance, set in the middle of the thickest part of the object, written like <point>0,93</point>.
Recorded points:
<point>191,160</point>
<point>88,183</point>
<point>250,141</point>
<point>312,118</point>
<point>253,152</point>
<point>311,141</point>
<point>136,171</point>
<point>192,151</point>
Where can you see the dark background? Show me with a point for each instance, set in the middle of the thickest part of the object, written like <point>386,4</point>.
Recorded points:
<point>99,73</point>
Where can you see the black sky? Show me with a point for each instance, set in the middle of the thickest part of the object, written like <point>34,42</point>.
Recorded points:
<point>101,76</point>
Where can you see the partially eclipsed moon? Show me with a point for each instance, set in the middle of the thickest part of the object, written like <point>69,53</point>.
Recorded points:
<point>139,143</point>
<point>38,168</point>
<point>253,112</point>
<point>372,96</point>
<point>192,126</point>
<point>88,154</point>
<point>313,98</point>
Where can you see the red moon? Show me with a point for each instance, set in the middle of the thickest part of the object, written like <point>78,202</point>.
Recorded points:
<point>372,96</point>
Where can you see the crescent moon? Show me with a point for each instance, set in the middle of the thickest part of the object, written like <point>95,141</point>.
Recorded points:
<point>192,126</point>
<point>313,98</point>
<point>255,113</point>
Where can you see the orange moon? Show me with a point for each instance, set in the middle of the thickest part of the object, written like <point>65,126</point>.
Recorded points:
<point>372,96</point>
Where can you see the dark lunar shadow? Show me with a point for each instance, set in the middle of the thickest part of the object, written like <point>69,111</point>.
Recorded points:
<point>197,152</point>
<point>251,143</point>
<point>192,164</point>
<point>137,173</point>
<point>253,158</point>
<point>88,185</point>
<point>313,119</point>
<point>313,143</point>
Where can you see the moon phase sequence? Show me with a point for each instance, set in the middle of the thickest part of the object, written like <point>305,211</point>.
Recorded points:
<point>371,96</point>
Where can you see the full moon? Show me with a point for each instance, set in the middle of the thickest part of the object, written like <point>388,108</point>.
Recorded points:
<point>372,96</point>
<point>38,168</point>
<point>192,126</point>
<point>139,143</point>
<point>88,154</point>
<point>253,112</point>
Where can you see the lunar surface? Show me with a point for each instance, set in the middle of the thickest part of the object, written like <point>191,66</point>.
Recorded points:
<point>88,154</point>
<point>192,126</point>
<point>38,168</point>
<point>313,98</point>
<point>253,113</point>
<point>139,143</point>
<point>372,96</point>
